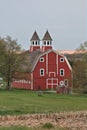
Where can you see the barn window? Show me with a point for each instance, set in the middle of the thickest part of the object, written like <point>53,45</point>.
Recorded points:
<point>41,72</point>
<point>48,43</point>
<point>61,72</point>
<point>61,83</point>
<point>44,42</point>
<point>61,59</point>
<point>66,82</point>
<point>41,59</point>
<point>33,43</point>
<point>36,42</point>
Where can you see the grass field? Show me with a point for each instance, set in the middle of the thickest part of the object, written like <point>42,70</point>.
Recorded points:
<point>26,128</point>
<point>23,101</point>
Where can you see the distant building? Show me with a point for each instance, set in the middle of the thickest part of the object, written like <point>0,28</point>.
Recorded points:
<point>48,69</point>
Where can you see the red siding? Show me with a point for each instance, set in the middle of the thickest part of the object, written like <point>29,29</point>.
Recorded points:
<point>51,78</point>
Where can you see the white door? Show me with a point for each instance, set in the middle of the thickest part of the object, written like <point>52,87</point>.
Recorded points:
<point>52,83</point>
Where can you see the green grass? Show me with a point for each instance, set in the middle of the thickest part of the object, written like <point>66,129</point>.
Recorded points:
<point>26,128</point>
<point>23,101</point>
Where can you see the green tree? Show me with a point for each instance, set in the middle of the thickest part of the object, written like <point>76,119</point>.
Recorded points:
<point>10,59</point>
<point>80,68</point>
<point>79,75</point>
<point>78,62</point>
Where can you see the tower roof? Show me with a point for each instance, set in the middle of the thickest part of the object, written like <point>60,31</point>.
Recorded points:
<point>35,37</point>
<point>47,36</point>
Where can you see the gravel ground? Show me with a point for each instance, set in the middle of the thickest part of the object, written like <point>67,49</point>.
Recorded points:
<point>73,120</point>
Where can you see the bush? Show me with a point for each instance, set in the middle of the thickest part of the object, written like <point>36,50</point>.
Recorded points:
<point>84,91</point>
<point>48,126</point>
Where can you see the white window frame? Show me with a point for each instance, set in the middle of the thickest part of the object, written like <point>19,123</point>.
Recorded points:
<point>67,82</point>
<point>41,72</point>
<point>35,43</point>
<point>52,73</point>
<point>47,43</point>
<point>61,83</point>
<point>41,59</point>
<point>62,71</point>
<point>61,59</point>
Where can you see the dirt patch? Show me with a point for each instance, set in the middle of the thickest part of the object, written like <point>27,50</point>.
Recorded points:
<point>72,120</point>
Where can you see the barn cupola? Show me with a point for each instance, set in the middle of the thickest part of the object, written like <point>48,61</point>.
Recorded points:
<point>47,42</point>
<point>35,42</point>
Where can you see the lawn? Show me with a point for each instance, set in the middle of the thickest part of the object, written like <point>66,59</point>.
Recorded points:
<point>23,101</point>
<point>26,128</point>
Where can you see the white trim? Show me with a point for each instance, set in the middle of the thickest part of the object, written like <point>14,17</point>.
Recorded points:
<point>46,63</point>
<point>52,83</point>
<point>42,59</point>
<point>43,48</point>
<point>41,72</point>
<point>68,63</point>
<point>52,73</point>
<point>35,41</point>
<point>57,63</point>
<point>61,83</point>
<point>62,59</point>
<point>31,48</point>
<point>63,72</point>
<point>47,41</point>
<point>43,55</point>
<point>31,81</point>
<point>67,82</point>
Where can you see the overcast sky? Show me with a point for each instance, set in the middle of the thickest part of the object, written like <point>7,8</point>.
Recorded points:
<point>66,21</point>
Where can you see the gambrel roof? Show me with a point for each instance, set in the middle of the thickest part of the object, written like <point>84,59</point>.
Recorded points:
<point>32,59</point>
<point>35,37</point>
<point>47,36</point>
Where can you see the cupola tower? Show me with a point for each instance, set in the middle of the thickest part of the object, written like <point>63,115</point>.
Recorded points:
<point>47,42</point>
<point>35,42</point>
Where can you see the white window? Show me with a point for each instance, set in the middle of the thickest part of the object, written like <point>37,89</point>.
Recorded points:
<point>33,43</point>
<point>61,59</point>
<point>41,59</point>
<point>66,82</point>
<point>61,83</point>
<point>36,42</point>
<point>44,42</point>
<point>41,72</point>
<point>48,43</point>
<point>61,72</point>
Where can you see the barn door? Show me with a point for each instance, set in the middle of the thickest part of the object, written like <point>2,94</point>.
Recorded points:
<point>52,83</point>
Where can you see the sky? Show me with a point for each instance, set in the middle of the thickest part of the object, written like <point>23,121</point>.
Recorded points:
<point>66,21</point>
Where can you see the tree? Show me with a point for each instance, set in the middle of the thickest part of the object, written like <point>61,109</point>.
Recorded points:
<point>79,75</point>
<point>10,59</point>
<point>83,46</point>
<point>78,62</point>
<point>80,68</point>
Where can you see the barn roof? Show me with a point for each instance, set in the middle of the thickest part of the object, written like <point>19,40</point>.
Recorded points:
<point>32,59</point>
<point>47,36</point>
<point>35,37</point>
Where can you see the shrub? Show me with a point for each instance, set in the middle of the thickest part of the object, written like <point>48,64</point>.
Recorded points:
<point>48,126</point>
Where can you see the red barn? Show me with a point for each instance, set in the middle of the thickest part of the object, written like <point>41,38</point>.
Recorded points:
<point>48,69</point>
